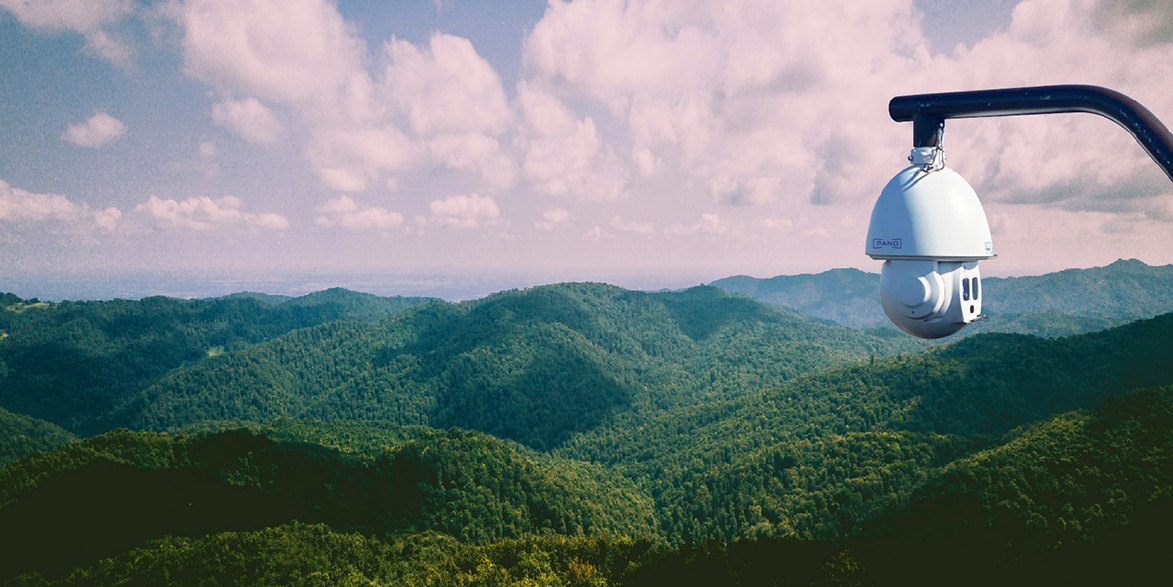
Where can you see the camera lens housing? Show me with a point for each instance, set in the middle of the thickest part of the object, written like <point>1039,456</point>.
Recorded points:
<point>930,299</point>
<point>929,228</point>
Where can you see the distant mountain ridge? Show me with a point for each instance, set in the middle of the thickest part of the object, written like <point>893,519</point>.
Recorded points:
<point>73,363</point>
<point>1055,304</point>
<point>534,366</point>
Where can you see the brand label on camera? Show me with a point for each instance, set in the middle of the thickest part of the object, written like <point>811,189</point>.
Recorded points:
<point>886,243</point>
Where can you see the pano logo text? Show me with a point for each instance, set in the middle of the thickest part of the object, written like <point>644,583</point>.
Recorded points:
<point>886,243</point>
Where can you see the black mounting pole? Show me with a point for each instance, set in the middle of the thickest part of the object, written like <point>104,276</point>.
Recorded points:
<point>928,112</point>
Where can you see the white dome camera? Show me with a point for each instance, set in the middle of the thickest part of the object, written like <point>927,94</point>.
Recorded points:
<point>930,230</point>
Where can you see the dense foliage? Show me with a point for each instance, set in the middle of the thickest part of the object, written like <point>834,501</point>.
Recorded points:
<point>536,366</point>
<point>75,363</point>
<point>103,495</point>
<point>692,437</point>
<point>297,554</point>
<point>1083,497</point>
<point>21,436</point>
<point>816,456</point>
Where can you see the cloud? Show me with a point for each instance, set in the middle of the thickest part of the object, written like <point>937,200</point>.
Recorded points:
<point>564,155</point>
<point>349,160</point>
<point>777,224</point>
<point>709,225</point>
<point>462,212</point>
<point>618,224</point>
<point>552,218</point>
<point>208,149</point>
<point>596,234</point>
<point>766,103</point>
<point>445,88</point>
<point>475,152</point>
<point>817,232</point>
<point>110,48</point>
<point>90,18</point>
<point>22,207</point>
<point>735,95</point>
<point>107,218</point>
<point>344,212</point>
<point>751,191</point>
<point>205,214</point>
<point>249,119</point>
<point>1077,162</point>
<point>778,106</point>
<point>645,162</point>
<point>438,103</point>
<point>441,104</point>
<point>99,130</point>
<point>295,52</point>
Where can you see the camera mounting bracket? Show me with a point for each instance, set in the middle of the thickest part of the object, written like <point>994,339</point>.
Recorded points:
<point>928,112</point>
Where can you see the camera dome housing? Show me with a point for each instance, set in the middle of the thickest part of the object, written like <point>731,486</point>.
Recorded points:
<point>928,214</point>
<point>929,228</point>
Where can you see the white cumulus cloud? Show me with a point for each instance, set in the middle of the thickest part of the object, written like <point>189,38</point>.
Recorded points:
<point>344,212</point>
<point>445,88</point>
<point>100,129</point>
<point>290,51</point>
<point>564,154</point>
<point>709,225</point>
<point>617,223</point>
<point>463,211</point>
<point>552,218</point>
<point>23,207</point>
<point>597,234</point>
<point>766,103</point>
<point>205,214</point>
<point>250,119</point>
<point>90,18</point>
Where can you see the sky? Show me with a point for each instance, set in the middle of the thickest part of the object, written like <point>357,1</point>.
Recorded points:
<point>409,145</point>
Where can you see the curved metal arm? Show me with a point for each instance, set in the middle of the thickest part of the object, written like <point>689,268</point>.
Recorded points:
<point>928,112</point>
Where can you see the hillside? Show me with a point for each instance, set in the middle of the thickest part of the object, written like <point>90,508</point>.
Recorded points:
<point>1080,498</point>
<point>104,495</point>
<point>1077,498</point>
<point>536,366</point>
<point>618,437</point>
<point>297,554</point>
<point>21,436</point>
<point>74,363</point>
<point>1068,302</point>
<point>844,296</point>
<point>862,437</point>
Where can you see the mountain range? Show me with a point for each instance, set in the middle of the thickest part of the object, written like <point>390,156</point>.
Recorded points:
<point>1056,304</point>
<point>583,434</point>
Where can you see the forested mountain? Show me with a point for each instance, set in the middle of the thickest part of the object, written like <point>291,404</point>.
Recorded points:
<point>774,463</point>
<point>106,494</point>
<point>1079,498</point>
<point>270,299</point>
<point>1068,302</point>
<point>1082,498</point>
<point>576,434</point>
<point>297,554</point>
<point>73,363</point>
<point>845,296</point>
<point>536,366</point>
<point>21,436</point>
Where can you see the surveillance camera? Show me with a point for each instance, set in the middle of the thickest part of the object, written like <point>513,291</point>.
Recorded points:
<point>930,230</point>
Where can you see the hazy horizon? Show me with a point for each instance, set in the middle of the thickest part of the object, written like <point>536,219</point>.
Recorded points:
<point>471,284</point>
